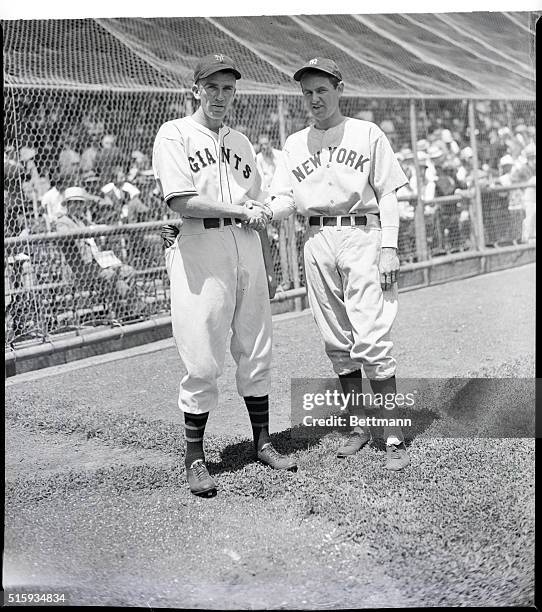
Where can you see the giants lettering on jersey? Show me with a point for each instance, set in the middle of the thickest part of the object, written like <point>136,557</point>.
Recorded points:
<point>202,159</point>
<point>340,156</point>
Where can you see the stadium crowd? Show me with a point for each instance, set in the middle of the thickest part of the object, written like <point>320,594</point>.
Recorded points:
<point>112,175</point>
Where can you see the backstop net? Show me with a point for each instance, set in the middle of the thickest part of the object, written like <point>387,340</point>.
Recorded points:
<point>83,100</point>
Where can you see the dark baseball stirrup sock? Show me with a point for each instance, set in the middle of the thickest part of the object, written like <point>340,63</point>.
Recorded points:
<point>385,388</point>
<point>194,428</point>
<point>351,383</point>
<point>258,411</point>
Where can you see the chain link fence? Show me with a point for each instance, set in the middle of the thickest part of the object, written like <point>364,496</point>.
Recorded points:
<point>99,259</point>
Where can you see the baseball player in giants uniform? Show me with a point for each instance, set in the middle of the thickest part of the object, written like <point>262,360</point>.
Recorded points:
<point>207,173</point>
<point>343,175</point>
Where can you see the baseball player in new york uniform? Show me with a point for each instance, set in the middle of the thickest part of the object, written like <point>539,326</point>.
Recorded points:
<point>207,173</point>
<point>342,174</point>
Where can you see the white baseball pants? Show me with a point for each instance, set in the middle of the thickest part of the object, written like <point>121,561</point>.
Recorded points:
<point>218,282</point>
<point>351,311</point>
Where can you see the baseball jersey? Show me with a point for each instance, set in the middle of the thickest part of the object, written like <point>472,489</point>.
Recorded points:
<point>189,159</point>
<point>344,170</point>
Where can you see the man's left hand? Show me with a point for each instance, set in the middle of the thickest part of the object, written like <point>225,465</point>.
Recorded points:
<point>389,267</point>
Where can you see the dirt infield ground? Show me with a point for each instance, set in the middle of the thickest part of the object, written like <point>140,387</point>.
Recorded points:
<point>97,505</point>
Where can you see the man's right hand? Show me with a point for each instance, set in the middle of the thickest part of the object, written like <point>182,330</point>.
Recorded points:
<point>256,215</point>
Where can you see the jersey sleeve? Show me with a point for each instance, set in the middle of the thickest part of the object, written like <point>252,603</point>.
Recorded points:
<point>386,174</point>
<point>170,164</point>
<point>255,191</point>
<point>281,197</point>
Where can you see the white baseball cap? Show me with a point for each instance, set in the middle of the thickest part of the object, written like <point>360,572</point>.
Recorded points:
<point>75,194</point>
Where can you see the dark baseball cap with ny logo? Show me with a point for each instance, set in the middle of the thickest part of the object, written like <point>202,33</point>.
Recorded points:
<point>216,62</point>
<point>321,64</point>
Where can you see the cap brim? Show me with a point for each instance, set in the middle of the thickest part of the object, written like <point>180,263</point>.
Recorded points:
<point>224,68</point>
<point>301,72</point>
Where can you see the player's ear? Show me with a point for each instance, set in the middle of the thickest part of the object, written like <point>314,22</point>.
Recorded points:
<point>195,91</point>
<point>340,88</point>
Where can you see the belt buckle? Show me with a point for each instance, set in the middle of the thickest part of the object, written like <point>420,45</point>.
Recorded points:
<point>352,220</point>
<point>321,219</point>
<point>339,223</point>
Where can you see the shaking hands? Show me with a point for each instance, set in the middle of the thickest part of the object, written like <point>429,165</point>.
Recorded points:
<point>258,214</point>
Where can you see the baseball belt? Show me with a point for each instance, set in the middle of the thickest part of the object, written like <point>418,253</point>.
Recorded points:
<point>347,220</point>
<point>212,222</point>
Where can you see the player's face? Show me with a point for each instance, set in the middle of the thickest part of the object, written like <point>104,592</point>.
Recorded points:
<point>215,93</point>
<point>321,98</point>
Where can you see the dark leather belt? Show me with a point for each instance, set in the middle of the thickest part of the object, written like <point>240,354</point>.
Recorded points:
<point>358,220</point>
<point>210,223</point>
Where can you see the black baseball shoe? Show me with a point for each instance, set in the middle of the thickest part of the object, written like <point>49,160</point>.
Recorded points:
<point>270,456</point>
<point>354,443</point>
<point>199,479</point>
<point>396,457</point>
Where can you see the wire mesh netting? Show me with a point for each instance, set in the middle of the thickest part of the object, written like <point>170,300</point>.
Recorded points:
<point>85,98</point>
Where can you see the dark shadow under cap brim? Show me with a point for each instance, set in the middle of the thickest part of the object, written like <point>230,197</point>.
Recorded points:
<point>330,72</point>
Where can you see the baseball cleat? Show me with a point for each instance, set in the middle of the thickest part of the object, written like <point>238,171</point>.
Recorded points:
<point>199,480</point>
<point>397,457</point>
<point>355,442</point>
<point>270,456</point>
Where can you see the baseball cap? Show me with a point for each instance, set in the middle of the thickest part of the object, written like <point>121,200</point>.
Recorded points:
<point>209,64</point>
<point>322,64</point>
<point>73,194</point>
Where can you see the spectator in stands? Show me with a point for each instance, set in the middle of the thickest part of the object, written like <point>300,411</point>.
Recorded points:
<point>465,167</point>
<point>108,156</point>
<point>527,174</point>
<point>69,159</point>
<point>407,235</point>
<point>449,213</point>
<point>139,166</point>
<point>52,201</point>
<point>452,148</point>
<point>91,267</point>
<point>99,209</point>
<point>266,160</point>
<point>123,198</point>
<point>508,174</point>
<point>89,155</point>
<point>495,214</point>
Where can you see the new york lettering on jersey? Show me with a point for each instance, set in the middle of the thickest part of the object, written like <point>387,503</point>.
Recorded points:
<point>338,155</point>
<point>341,170</point>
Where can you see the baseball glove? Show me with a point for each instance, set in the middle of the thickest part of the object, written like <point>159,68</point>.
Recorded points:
<point>169,233</point>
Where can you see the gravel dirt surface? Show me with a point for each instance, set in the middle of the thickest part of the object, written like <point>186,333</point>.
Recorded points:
<point>97,504</point>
